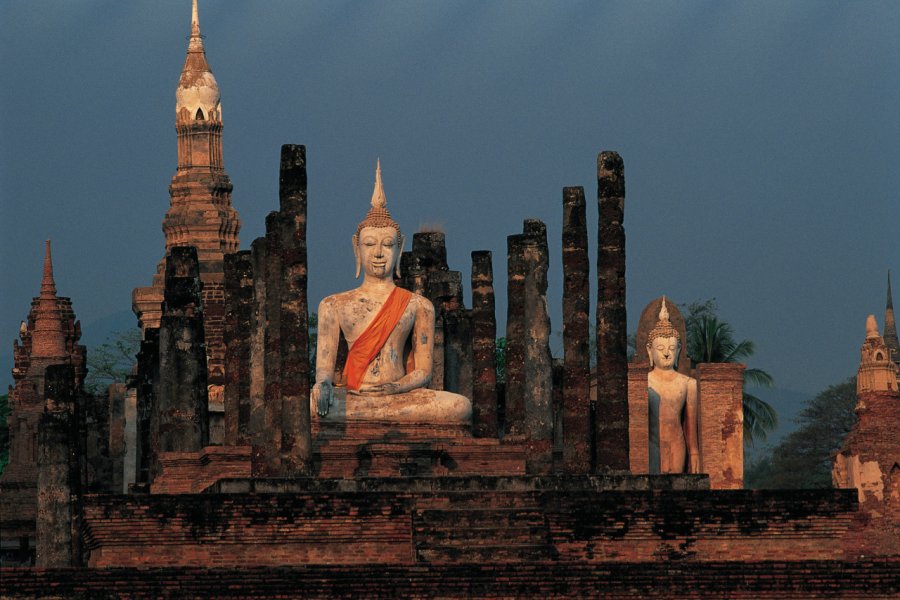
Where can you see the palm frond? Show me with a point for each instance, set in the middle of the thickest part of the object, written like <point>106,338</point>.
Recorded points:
<point>759,419</point>
<point>758,378</point>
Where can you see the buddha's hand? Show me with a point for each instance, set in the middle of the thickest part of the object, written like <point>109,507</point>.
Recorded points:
<point>379,389</point>
<point>321,397</point>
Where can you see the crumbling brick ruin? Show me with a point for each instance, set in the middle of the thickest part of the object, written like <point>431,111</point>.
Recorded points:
<point>209,475</point>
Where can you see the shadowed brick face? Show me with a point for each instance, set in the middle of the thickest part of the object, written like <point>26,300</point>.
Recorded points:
<point>611,424</point>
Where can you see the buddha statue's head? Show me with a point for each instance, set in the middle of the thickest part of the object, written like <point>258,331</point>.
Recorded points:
<point>378,243</point>
<point>663,341</point>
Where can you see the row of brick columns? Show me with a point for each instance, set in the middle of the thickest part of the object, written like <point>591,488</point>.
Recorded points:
<point>265,285</point>
<point>267,361</point>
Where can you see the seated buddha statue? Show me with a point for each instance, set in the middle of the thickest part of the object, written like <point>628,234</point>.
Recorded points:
<point>390,335</point>
<point>673,411</point>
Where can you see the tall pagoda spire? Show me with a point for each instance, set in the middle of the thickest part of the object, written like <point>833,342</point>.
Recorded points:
<point>197,97</point>
<point>48,338</point>
<point>200,212</point>
<point>890,326</point>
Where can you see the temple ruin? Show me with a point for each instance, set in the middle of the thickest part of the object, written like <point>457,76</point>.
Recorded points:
<point>212,473</point>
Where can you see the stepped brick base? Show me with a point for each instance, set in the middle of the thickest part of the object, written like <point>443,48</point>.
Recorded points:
<point>409,521</point>
<point>193,472</point>
<point>458,456</point>
<point>871,579</point>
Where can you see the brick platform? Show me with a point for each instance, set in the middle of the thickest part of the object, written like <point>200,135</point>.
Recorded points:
<point>408,521</point>
<point>874,579</point>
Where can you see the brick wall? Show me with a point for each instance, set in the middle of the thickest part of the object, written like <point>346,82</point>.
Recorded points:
<point>870,579</point>
<point>394,522</point>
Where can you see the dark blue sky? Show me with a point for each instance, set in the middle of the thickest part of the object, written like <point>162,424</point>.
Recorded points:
<point>760,142</point>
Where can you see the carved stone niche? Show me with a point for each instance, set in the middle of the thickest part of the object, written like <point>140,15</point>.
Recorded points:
<point>638,433</point>
<point>649,317</point>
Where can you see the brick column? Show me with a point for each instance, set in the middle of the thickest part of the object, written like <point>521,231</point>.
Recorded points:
<point>183,403</point>
<point>117,436</point>
<point>611,423</point>
<point>458,357</point>
<point>721,390</point>
<point>272,345</point>
<point>484,341</point>
<point>515,336</point>
<point>57,518</point>
<point>638,418</point>
<point>576,391</point>
<point>147,408</point>
<point>256,428</point>
<point>538,365</point>
<point>296,443</point>
<point>238,311</point>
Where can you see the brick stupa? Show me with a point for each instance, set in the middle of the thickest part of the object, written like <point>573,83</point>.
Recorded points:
<point>200,212</point>
<point>48,337</point>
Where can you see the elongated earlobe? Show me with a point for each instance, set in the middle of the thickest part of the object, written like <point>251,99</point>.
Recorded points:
<point>356,253</point>
<point>402,243</point>
<point>650,355</point>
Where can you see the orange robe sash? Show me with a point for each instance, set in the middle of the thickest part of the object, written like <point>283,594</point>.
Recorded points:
<point>372,340</point>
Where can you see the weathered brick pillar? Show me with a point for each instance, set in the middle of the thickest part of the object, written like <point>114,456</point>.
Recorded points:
<point>484,343</point>
<point>238,310</point>
<point>611,422</point>
<point>296,443</point>
<point>430,249</point>
<point>514,405</point>
<point>256,427</point>
<point>272,345</point>
<point>183,402</point>
<point>147,407</point>
<point>58,542</point>
<point>638,417</point>
<point>721,390</point>
<point>538,374</point>
<point>576,385</point>
<point>96,462</point>
<point>116,393</point>
<point>558,441</point>
<point>458,357</point>
<point>444,289</point>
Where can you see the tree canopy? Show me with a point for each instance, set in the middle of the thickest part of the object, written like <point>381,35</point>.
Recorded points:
<point>112,361</point>
<point>803,458</point>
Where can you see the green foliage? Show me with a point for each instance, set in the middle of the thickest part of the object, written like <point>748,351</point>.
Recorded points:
<point>500,360</point>
<point>112,361</point>
<point>711,340</point>
<point>803,458</point>
<point>4,432</point>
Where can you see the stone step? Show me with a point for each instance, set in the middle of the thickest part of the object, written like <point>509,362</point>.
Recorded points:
<point>484,553</point>
<point>484,518</point>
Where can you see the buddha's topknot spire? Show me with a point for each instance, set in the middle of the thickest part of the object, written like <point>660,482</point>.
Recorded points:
<point>664,327</point>
<point>378,215</point>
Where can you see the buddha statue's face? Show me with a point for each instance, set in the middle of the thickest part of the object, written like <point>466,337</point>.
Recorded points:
<point>663,351</point>
<point>378,250</point>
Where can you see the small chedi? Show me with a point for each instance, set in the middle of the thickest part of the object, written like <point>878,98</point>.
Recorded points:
<point>390,333</point>
<point>673,407</point>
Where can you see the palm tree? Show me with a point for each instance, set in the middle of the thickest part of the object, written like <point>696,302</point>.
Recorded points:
<point>712,341</point>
